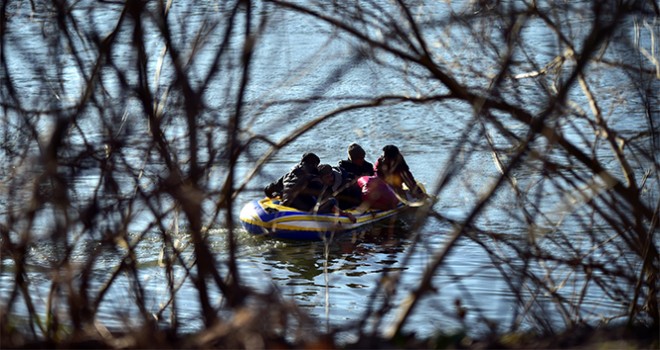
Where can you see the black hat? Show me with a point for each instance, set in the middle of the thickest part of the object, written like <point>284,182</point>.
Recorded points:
<point>310,158</point>
<point>355,151</point>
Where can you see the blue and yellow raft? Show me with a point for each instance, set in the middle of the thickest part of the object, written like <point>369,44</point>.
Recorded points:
<point>269,218</point>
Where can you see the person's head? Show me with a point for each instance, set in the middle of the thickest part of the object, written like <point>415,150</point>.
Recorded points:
<point>309,162</point>
<point>310,159</point>
<point>390,152</point>
<point>356,154</point>
<point>326,174</point>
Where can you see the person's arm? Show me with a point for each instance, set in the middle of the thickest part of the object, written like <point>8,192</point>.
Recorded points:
<point>411,183</point>
<point>274,189</point>
<point>337,210</point>
<point>369,169</point>
<point>409,179</point>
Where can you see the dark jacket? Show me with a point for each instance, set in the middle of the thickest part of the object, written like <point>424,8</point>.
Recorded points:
<point>367,169</point>
<point>299,188</point>
<point>345,188</point>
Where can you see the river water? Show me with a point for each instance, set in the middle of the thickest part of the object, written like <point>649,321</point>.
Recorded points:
<point>296,59</point>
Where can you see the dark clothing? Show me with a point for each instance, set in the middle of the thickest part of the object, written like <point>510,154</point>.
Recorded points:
<point>299,188</point>
<point>349,197</point>
<point>366,169</point>
<point>274,189</point>
<point>326,200</point>
<point>346,189</point>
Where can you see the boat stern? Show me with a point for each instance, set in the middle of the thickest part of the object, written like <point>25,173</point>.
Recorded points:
<point>255,218</point>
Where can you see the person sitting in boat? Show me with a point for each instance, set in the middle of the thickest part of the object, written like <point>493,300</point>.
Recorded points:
<point>327,201</point>
<point>356,165</point>
<point>344,187</point>
<point>305,189</point>
<point>299,187</point>
<point>393,169</point>
<point>350,196</point>
<point>376,194</point>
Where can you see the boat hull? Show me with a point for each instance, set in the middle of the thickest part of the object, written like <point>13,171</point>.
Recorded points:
<point>268,217</point>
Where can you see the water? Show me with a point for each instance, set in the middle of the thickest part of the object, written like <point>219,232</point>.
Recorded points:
<point>299,60</point>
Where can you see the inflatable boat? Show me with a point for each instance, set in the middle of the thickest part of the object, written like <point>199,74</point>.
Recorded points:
<point>269,218</point>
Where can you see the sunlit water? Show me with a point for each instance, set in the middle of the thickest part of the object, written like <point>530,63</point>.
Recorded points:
<point>333,282</point>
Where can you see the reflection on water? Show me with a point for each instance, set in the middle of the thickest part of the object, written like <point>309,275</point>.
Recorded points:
<point>333,280</point>
<point>306,260</point>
